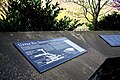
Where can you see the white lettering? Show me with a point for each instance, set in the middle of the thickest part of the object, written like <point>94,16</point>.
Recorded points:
<point>24,44</point>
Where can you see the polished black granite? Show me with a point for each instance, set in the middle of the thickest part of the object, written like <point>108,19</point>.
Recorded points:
<point>113,40</point>
<point>46,54</point>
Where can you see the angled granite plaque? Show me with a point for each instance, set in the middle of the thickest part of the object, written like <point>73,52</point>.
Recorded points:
<point>46,54</point>
<point>112,40</point>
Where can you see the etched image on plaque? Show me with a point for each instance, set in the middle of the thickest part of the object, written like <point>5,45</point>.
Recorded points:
<point>45,54</point>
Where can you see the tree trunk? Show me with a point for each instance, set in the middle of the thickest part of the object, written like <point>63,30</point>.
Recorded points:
<point>95,21</point>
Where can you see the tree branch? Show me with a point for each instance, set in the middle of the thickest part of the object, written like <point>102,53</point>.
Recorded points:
<point>85,14</point>
<point>91,8</point>
<point>104,4</point>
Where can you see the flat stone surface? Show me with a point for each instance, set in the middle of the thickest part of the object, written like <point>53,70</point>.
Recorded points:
<point>14,66</point>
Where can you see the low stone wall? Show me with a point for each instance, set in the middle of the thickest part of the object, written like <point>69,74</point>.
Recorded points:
<point>14,66</point>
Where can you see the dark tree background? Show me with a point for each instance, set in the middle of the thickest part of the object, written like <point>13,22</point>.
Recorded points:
<point>33,15</point>
<point>110,22</point>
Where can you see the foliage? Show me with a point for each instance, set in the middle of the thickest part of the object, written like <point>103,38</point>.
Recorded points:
<point>33,15</point>
<point>109,22</point>
<point>27,15</point>
<point>92,8</point>
<point>3,4</point>
<point>91,26</point>
<point>116,4</point>
<point>68,24</point>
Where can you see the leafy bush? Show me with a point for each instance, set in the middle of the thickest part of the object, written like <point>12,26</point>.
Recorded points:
<point>109,22</point>
<point>27,15</point>
<point>91,27</point>
<point>68,24</point>
<point>33,15</point>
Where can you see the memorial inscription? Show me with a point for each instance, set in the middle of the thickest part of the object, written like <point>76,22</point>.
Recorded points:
<point>112,40</point>
<point>45,54</point>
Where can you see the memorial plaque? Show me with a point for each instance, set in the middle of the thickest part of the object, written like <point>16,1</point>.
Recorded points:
<point>46,54</point>
<point>112,40</point>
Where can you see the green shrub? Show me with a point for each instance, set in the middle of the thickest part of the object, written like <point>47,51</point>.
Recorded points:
<point>30,15</point>
<point>68,24</point>
<point>33,15</point>
<point>91,26</point>
<point>109,22</point>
